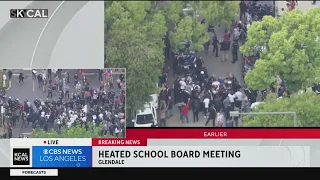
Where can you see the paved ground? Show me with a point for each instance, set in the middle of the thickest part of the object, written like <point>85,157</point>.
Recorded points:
<point>28,43</point>
<point>302,5</point>
<point>214,66</point>
<point>25,91</point>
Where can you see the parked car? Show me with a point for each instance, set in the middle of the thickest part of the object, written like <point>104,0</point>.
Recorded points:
<point>147,117</point>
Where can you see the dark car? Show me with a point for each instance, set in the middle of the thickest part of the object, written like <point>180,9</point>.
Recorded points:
<point>186,61</point>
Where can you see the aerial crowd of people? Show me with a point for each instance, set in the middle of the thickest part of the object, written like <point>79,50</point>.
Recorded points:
<point>198,91</point>
<point>70,102</point>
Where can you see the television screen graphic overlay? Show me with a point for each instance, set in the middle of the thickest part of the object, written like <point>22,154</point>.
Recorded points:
<point>55,102</point>
<point>61,156</point>
<point>21,156</point>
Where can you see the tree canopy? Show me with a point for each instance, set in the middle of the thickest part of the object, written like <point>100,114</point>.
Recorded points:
<point>306,106</point>
<point>134,41</point>
<point>289,48</point>
<point>219,12</point>
<point>73,132</point>
<point>190,30</point>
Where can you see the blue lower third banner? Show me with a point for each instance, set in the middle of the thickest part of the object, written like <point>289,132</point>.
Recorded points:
<point>61,156</point>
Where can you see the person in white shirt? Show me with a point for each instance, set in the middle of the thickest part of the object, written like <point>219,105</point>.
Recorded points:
<point>43,114</point>
<point>101,116</point>
<point>231,99</point>
<point>84,119</point>
<point>116,131</point>
<point>183,84</point>
<point>220,120</point>
<point>239,99</point>
<point>206,102</point>
<point>4,78</point>
<point>189,80</point>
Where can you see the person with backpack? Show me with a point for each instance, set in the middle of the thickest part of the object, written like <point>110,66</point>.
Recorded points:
<point>195,109</point>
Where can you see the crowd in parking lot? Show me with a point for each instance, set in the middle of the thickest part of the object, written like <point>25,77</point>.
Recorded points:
<point>66,98</point>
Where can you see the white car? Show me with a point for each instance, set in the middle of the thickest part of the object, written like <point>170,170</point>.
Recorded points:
<point>255,105</point>
<point>148,117</point>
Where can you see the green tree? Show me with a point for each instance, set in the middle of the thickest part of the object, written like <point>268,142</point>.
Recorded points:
<point>190,30</point>
<point>306,106</point>
<point>172,11</point>
<point>135,42</point>
<point>219,12</point>
<point>73,132</point>
<point>289,48</point>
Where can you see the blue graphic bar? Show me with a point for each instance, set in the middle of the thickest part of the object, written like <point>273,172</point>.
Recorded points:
<point>62,156</point>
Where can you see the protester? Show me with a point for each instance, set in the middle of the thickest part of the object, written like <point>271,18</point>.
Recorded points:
<point>212,116</point>
<point>185,112</point>
<point>162,113</point>
<point>215,43</point>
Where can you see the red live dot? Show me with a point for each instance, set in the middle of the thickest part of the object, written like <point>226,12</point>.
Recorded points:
<point>44,142</point>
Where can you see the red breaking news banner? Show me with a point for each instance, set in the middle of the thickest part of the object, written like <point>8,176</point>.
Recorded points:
<point>139,137</point>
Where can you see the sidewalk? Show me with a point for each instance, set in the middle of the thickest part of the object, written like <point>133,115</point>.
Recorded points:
<point>302,5</point>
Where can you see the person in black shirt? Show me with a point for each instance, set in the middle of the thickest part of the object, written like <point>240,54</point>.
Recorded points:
<point>206,47</point>
<point>235,48</point>
<point>21,78</point>
<point>195,109</point>
<point>10,75</point>
<point>243,8</point>
<point>225,47</point>
<point>212,115</point>
<point>215,45</point>
<point>49,91</point>
<point>170,106</point>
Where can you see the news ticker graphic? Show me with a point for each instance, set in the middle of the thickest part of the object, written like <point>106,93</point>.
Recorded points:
<point>29,13</point>
<point>206,156</point>
<point>175,148</point>
<point>61,156</point>
<point>33,172</point>
<point>51,153</point>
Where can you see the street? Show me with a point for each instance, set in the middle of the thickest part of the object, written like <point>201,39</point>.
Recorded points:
<point>302,5</point>
<point>30,90</point>
<point>214,66</point>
